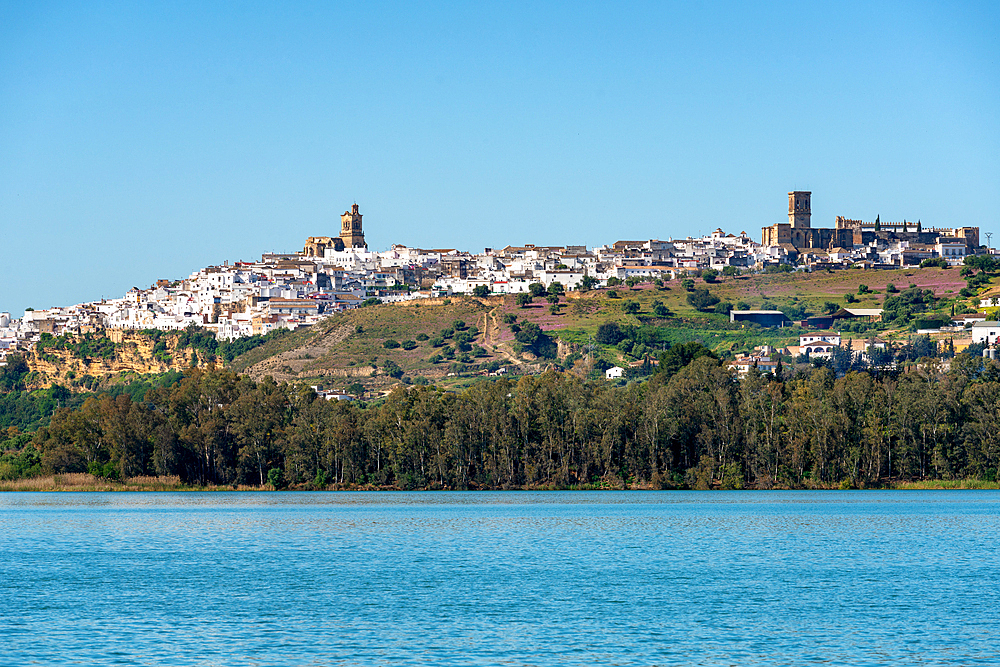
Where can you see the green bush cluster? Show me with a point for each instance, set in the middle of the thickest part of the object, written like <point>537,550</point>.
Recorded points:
<point>85,346</point>
<point>205,342</point>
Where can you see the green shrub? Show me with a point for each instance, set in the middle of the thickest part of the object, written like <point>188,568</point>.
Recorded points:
<point>723,308</point>
<point>276,478</point>
<point>609,333</point>
<point>702,299</point>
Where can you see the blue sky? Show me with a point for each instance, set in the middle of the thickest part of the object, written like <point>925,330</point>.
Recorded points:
<point>145,140</point>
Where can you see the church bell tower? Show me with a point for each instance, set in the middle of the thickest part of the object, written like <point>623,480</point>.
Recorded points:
<point>350,229</point>
<point>799,211</point>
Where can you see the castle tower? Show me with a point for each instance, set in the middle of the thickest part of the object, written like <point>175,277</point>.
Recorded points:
<point>350,229</point>
<point>799,212</point>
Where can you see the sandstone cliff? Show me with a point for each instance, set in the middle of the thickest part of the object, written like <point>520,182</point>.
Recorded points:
<point>134,352</point>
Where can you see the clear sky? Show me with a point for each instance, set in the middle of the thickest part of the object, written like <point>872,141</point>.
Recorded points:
<point>145,140</point>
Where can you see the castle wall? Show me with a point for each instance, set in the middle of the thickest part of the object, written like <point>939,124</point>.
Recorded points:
<point>970,235</point>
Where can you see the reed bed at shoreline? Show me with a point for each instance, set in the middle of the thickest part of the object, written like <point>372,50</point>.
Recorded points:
<point>947,484</point>
<point>84,482</point>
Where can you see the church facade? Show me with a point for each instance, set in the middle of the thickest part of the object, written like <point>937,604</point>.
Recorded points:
<point>799,232</point>
<point>352,235</point>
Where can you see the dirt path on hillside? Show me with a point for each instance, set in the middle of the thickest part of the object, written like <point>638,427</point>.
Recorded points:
<point>298,358</point>
<point>492,336</point>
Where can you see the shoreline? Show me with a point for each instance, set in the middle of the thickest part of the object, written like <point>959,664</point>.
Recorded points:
<point>86,483</point>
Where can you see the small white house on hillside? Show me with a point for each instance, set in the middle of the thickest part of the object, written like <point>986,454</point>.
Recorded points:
<point>985,332</point>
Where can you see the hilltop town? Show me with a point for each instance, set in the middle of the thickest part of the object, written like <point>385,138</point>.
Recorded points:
<point>673,326</point>
<point>336,273</point>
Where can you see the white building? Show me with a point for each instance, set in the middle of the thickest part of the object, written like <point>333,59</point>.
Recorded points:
<point>985,332</point>
<point>953,251</point>
<point>819,336</point>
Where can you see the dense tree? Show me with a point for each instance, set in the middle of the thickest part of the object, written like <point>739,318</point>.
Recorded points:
<point>534,340</point>
<point>692,423</point>
<point>679,356</point>
<point>12,374</point>
<point>609,333</point>
<point>986,263</point>
<point>901,307</point>
<point>724,307</point>
<point>702,299</point>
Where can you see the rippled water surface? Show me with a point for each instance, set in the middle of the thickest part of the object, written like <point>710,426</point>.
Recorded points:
<point>551,578</point>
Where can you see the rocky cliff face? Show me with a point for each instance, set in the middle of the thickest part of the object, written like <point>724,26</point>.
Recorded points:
<point>134,353</point>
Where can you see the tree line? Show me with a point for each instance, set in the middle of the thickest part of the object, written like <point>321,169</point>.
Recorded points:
<point>690,425</point>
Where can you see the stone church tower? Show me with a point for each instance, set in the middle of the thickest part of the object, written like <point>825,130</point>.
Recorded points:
<point>350,229</point>
<point>799,212</point>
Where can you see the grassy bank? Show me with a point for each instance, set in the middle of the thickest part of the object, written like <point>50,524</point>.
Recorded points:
<point>948,484</point>
<point>83,482</point>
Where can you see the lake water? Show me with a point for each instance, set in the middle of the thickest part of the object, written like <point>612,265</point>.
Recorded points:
<point>550,578</point>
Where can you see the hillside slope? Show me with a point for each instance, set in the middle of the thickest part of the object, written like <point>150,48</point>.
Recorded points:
<point>445,340</point>
<point>350,347</point>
